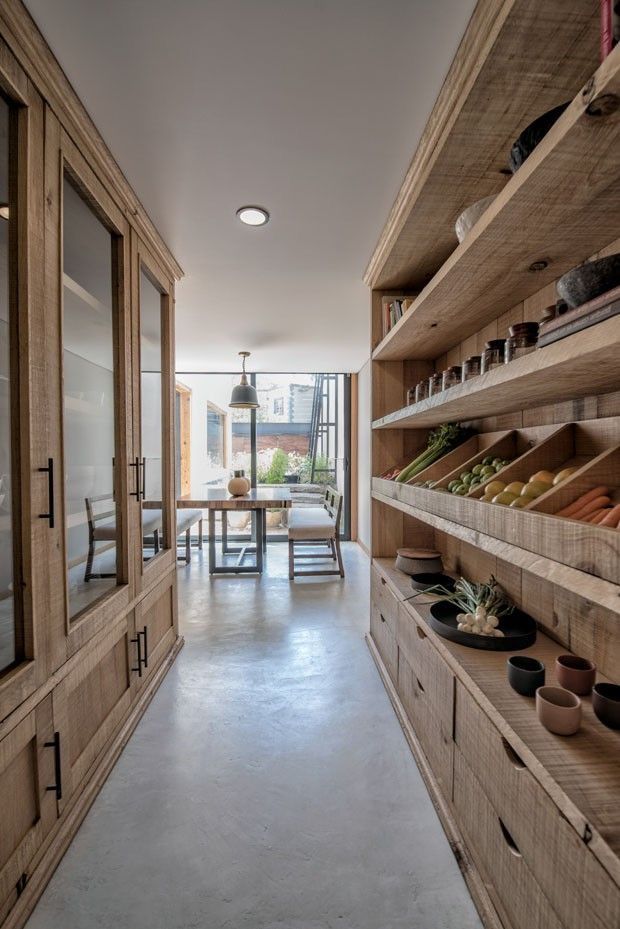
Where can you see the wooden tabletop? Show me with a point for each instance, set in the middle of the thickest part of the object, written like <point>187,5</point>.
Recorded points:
<point>218,498</point>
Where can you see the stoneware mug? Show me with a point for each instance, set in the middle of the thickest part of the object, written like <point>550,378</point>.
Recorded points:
<point>606,704</point>
<point>558,709</point>
<point>574,673</point>
<point>525,674</point>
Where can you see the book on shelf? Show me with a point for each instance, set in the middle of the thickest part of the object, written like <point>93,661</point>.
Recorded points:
<point>393,309</point>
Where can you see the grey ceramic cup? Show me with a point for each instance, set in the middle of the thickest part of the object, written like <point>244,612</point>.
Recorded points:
<point>525,674</point>
<point>558,709</point>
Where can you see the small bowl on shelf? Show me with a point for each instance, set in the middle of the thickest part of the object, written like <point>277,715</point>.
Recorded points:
<point>532,135</point>
<point>525,674</point>
<point>418,561</point>
<point>589,280</point>
<point>558,709</point>
<point>575,674</point>
<point>427,580</point>
<point>606,704</point>
<point>470,216</point>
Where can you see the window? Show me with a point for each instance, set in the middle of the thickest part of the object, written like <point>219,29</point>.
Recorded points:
<point>278,406</point>
<point>216,433</point>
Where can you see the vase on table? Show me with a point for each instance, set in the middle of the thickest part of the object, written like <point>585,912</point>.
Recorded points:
<point>238,485</point>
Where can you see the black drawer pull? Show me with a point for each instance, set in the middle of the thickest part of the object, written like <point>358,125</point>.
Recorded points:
<point>138,643</point>
<point>146,647</point>
<point>420,684</point>
<point>50,492</point>
<point>421,633</point>
<point>55,744</point>
<point>510,842</point>
<point>144,478</point>
<point>382,617</point>
<point>512,755</point>
<point>383,582</point>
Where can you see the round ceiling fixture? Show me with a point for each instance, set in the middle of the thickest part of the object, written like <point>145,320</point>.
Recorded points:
<point>253,215</point>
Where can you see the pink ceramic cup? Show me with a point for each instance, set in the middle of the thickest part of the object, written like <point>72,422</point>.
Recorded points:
<point>576,674</point>
<point>558,709</point>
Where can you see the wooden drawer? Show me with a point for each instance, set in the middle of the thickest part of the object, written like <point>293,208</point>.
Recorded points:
<point>434,735</point>
<point>579,889</point>
<point>384,599</point>
<point>385,641</point>
<point>28,810</point>
<point>517,896</point>
<point>434,676</point>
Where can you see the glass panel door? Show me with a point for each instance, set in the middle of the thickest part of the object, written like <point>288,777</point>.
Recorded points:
<point>89,409</point>
<point>11,644</point>
<point>151,420</point>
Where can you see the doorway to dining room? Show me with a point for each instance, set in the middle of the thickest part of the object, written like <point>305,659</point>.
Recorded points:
<point>300,436</point>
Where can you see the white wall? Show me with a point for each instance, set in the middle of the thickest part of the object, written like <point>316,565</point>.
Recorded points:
<point>363,455</point>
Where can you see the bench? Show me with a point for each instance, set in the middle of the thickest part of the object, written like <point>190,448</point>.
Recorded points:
<point>315,525</point>
<point>185,520</point>
<point>101,516</point>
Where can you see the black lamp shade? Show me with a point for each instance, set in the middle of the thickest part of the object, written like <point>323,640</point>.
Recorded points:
<point>244,396</point>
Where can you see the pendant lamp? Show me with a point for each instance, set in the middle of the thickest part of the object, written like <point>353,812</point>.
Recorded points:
<point>244,396</point>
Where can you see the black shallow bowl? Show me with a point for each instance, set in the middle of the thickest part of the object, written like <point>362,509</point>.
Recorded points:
<point>589,280</point>
<point>519,629</point>
<point>424,581</point>
<point>532,135</point>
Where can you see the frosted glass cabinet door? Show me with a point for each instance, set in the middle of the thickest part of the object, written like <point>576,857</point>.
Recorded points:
<point>154,538</point>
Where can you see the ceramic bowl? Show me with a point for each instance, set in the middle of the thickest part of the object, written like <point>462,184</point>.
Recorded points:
<point>427,580</point>
<point>606,704</point>
<point>532,135</point>
<point>589,280</point>
<point>575,674</point>
<point>525,674</point>
<point>470,216</point>
<point>418,561</point>
<point>558,710</point>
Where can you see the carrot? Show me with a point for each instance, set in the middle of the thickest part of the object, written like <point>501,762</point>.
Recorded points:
<point>598,516</point>
<point>582,501</point>
<point>591,507</point>
<point>613,517</point>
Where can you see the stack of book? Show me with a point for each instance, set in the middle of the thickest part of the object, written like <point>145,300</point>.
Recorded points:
<point>394,309</point>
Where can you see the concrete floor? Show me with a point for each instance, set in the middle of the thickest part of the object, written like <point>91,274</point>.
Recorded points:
<point>269,784</point>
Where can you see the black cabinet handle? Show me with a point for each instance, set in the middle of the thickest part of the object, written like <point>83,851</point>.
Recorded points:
<point>144,478</point>
<point>146,648</point>
<point>138,642</point>
<point>50,492</point>
<point>55,744</point>
<point>136,464</point>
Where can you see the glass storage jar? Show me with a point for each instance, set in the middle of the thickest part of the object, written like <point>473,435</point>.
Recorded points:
<point>523,339</point>
<point>421,391</point>
<point>493,355</point>
<point>434,384</point>
<point>451,377</point>
<point>471,368</point>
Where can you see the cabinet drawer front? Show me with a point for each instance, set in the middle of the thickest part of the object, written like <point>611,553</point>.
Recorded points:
<point>384,640</point>
<point>433,674</point>
<point>434,737</point>
<point>516,894</point>
<point>577,886</point>
<point>382,596</point>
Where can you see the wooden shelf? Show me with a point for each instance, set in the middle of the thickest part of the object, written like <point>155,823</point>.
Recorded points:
<point>584,363</point>
<point>572,771</point>
<point>560,551</point>
<point>483,105</point>
<point>560,207</point>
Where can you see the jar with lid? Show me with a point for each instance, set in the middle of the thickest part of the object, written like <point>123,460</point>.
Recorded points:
<point>434,384</point>
<point>523,339</point>
<point>493,355</point>
<point>411,396</point>
<point>421,391</point>
<point>471,368</point>
<point>451,377</point>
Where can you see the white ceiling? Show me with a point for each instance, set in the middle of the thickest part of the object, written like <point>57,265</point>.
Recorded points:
<point>311,108</point>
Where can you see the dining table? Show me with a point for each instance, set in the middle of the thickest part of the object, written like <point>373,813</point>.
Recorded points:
<point>257,501</point>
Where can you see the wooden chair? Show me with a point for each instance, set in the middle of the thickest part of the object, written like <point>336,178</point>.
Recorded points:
<point>312,526</point>
<point>101,515</point>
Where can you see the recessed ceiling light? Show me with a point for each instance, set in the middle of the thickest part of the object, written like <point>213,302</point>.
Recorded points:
<point>253,215</point>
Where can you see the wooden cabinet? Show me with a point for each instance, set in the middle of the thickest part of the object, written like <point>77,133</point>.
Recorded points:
<point>88,616</point>
<point>30,787</point>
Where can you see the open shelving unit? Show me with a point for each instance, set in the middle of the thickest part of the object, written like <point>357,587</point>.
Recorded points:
<point>517,60</point>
